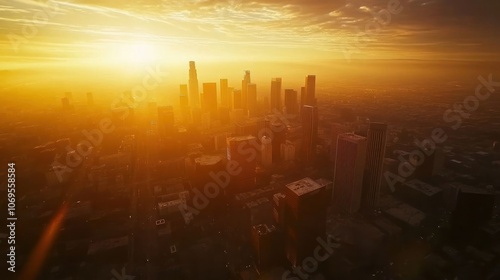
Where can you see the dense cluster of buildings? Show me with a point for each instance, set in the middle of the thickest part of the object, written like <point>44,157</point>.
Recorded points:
<point>234,185</point>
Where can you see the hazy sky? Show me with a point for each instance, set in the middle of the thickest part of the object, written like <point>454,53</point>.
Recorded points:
<point>138,31</point>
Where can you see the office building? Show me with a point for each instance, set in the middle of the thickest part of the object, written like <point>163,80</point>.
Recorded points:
<point>302,98</point>
<point>310,90</point>
<point>194,94</point>
<point>375,154</point>
<point>267,244</point>
<point>279,206</point>
<point>305,218</point>
<point>337,129</point>
<point>252,100</point>
<point>200,178</point>
<point>244,90</point>
<point>349,170</point>
<point>472,207</point>
<point>276,95</point>
<point>210,99</point>
<point>279,133</point>
<point>224,93</point>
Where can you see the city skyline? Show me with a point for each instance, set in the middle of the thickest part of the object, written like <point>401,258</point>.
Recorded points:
<point>250,140</point>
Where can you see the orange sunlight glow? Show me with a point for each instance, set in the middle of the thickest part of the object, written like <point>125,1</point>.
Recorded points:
<point>42,249</point>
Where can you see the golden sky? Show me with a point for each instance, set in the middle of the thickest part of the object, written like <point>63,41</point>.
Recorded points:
<point>37,34</point>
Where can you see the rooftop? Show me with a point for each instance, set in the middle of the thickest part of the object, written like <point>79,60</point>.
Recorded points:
<point>208,160</point>
<point>352,137</point>
<point>407,214</point>
<point>422,187</point>
<point>304,186</point>
<point>240,138</point>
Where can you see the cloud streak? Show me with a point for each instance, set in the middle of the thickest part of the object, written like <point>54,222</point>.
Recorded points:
<point>268,28</point>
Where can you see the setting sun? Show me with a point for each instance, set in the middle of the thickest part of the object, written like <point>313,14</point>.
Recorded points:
<point>264,140</point>
<point>136,53</point>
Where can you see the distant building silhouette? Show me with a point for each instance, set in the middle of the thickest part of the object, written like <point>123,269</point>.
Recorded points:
<point>276,95</point>
<point>210,99</point>
<point>194,94</point>
<point>224,94</point>
<point>244,90</point>
<point>310,90</point>
<point>252,100</point>
<point>302,98</point>
<point>349,170</point>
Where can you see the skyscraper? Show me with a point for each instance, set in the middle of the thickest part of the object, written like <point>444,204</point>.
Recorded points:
<point>224,93</point>
<point>302,98</point>
<point>184,103</point>
<point>291,105</point>
<point>210,99</point>
<point>337,129</point>
<point>230,95</point>
<point>244,90</point>
<point>310,133</point>
<point>377,136</point>
<point>305,218</point>
<point>194,94</point>
<point>310,90</point>
<point>276,95</point>
<point>349,170</point>
<point>252,100</point>
<point>279,130</point>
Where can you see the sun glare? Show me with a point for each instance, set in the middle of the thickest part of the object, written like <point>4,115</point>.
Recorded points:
<point>137,53</point>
